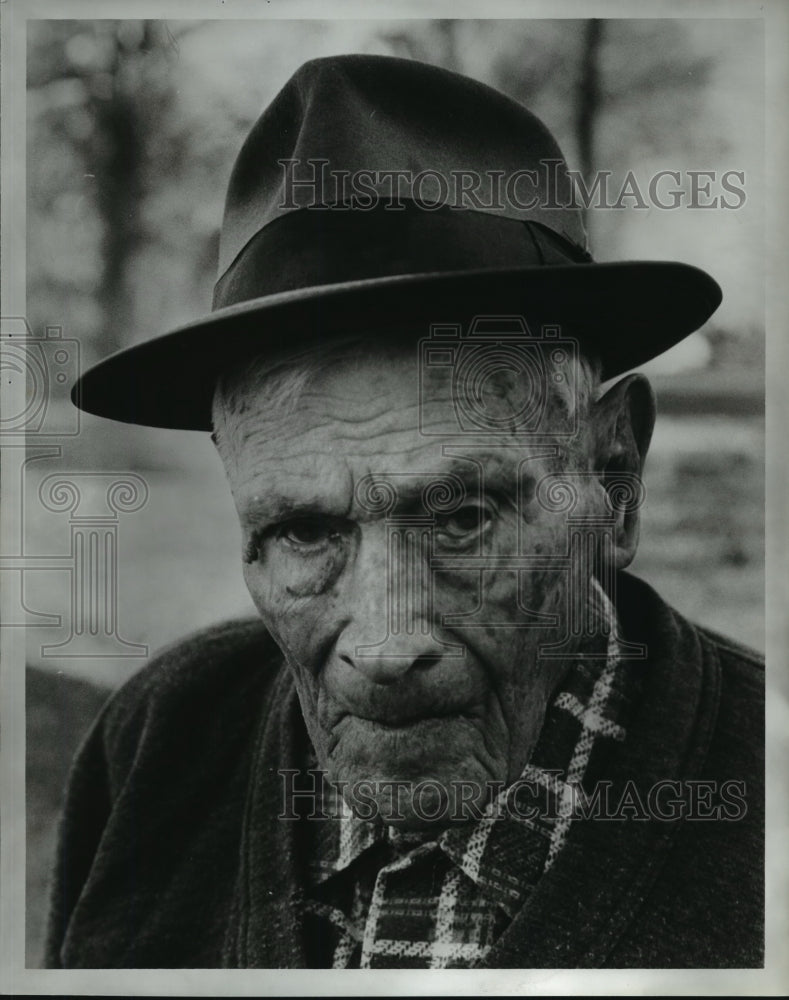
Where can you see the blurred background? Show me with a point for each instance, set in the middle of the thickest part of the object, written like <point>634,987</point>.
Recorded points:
<point>132,130</point>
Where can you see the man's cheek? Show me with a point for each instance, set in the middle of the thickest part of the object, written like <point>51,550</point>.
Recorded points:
<point>303,637</point>
<point>266,597</point>
<point>455,595</point>
<point>499,597</point>
<point>297,624</point>
<point>281,576</point>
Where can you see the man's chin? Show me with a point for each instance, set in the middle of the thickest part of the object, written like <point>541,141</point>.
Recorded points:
<point>415,776</point>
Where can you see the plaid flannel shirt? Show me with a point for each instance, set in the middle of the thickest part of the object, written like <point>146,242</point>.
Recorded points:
<point>380,898</point>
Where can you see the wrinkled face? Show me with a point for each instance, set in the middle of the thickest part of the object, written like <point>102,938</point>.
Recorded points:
<point>413,662</point>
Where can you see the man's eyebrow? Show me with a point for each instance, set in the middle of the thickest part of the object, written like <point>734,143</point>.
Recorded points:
<point>476,473</point>
<point>473,468</point>
<point>490,469</point>
<point>273,507</point>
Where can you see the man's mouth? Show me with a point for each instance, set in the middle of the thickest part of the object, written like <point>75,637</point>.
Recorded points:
<point>395,725</point>
<point>414,728</point>
<point>394,715</point>
<point>407,711</point>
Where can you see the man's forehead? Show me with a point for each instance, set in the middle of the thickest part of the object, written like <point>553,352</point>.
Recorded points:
<point>347,455</point>
<point>341,433</point>
<point>393,389</point>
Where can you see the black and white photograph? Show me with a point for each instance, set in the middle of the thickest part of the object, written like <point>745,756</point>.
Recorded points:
<point>394,498</point>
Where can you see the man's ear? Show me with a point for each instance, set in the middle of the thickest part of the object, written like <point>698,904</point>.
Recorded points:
<point>624,419</point>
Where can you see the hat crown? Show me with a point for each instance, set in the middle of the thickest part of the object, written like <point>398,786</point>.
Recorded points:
<point>388,121</point>
<point>290,275</point>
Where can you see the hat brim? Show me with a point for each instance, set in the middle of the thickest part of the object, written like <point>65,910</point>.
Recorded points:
<point>625,313</point>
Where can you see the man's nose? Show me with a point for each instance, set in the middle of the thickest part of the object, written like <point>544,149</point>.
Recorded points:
<point>390,617</point>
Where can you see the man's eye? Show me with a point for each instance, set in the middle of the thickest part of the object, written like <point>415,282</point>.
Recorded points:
<point>308,533</point>
<point>467,520</point>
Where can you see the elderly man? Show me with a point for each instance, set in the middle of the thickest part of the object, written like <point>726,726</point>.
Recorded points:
<point>459,735</point>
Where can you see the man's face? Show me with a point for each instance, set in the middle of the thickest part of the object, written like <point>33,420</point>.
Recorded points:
<point>403,673</point>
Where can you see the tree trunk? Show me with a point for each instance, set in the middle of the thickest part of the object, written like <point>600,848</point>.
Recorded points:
<point>588,96</point>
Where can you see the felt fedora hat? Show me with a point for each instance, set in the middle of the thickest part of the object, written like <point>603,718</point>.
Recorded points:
<point>378,195</point>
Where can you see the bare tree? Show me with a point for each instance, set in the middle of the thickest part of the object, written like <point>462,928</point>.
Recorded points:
<point>103,92</point>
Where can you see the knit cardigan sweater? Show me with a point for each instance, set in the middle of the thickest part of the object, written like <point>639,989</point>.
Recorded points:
<point>171,855</point>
